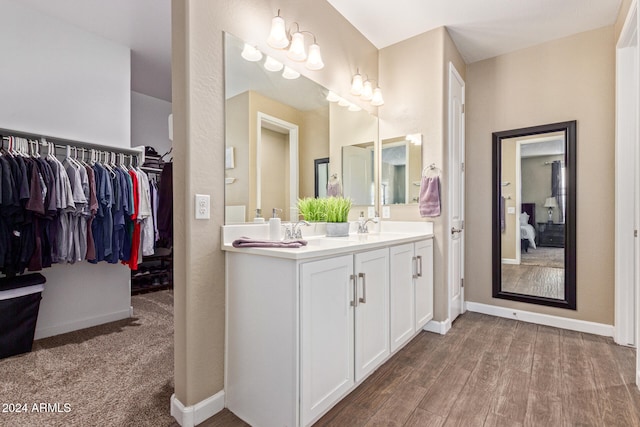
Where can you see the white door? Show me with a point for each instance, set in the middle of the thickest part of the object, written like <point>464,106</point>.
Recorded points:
<point>423,282</point>
<point>372,310</point>
<point>456,194</point>
<point>357,178</point>
<point>326,335</point>
<point>401,295</point>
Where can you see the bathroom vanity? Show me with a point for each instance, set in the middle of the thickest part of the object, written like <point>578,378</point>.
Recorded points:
<point>306,326</point>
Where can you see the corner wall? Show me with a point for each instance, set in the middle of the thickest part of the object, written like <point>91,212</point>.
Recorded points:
<point>567,79</point>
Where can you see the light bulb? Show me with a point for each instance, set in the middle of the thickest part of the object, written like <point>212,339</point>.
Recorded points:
<point>273,65</point>
<point>354,107</point>
<point>356,85</point>
<point>290,74</point>
<point>278,35</point>
<point>367,91</point>
<point>314,61</point>
<point>296,50</point>
<point>250,53</point>
<point>343,102</point>
<point>377,100</point>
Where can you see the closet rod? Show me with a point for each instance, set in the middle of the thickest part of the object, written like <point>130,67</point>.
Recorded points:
<point>138,151</point>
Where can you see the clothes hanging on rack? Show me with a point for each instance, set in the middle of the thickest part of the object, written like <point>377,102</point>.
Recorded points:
<point>67,211</point>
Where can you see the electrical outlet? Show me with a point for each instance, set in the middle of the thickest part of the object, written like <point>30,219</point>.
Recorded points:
<point>371,212</point>
<point>203,205</point>
<point>386,212</point>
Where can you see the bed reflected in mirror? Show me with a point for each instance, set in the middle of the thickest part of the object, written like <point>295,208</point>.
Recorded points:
<point>534,214</point>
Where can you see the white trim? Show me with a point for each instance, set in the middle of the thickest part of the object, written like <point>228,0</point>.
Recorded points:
<point>638,379</point>
<point>627,166</point>
<point>190,416</point>
<point>510,261</point>
<point>542,319</point>
<point>291,130</point>
<point>81,324</point>
<point>438,327</point>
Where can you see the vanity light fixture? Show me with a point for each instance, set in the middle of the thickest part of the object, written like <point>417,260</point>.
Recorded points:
<point>354,107</point>
<point>356,84</point>
<point>332,97</point>
<point>278,35</point>
<point>250,53</point>
<point>280,38</point>
<point>272,64</point>
<point>367,91</point>
<point>343,102</point>
<point>290,73</point>
<point>377,99</point>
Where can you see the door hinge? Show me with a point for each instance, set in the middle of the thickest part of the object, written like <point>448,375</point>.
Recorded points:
<point>635,233</point>
<point>462,108</point>
<point>462,166</point>
<point>462,225</point>
<point>462,283</point>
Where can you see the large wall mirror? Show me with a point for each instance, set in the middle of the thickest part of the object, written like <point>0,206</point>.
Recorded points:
<point>284,139</point>
<point>534,214</point>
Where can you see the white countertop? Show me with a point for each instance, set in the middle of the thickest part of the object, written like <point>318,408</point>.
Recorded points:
<point>321,246</point>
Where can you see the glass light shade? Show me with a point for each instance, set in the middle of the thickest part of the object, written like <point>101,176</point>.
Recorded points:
<point>273,65</point>
<point>367,91</point>
<point>278,35</point>
<point>377,99</point>
<point>354,107</point>
<point>296,50</point>
<point>343,102</point>
<point>290,74</point>
<point>332,97</point>
<point>356,85</point>
<point>250,53</point>
<point>314,61</point>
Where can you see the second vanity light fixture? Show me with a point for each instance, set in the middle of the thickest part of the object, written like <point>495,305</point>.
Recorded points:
<point>280,38</point>
<point>364,89</point>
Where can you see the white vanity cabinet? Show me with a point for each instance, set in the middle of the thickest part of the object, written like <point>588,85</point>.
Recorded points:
<point>344,326</point>
<point>411,290</point>
<point>305,327</point>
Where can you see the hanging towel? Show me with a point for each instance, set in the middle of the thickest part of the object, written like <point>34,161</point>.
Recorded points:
<point>247,242</point>
<point>430,196</point>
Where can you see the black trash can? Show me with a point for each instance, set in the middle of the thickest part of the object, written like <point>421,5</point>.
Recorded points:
<point>19,304</point>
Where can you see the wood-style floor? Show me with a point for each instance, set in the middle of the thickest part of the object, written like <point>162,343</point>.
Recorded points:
<point>533,280</point>
<point>489,371</point>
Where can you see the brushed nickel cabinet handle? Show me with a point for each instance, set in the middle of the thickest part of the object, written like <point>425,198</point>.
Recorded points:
<point>364,288</point>
<point>354,281</point>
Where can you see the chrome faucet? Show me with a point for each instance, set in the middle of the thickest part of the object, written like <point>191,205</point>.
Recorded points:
<point>294,232</point>
<point>362,228</point>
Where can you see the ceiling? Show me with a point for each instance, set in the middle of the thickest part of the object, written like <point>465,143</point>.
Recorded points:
<point>480,28</point>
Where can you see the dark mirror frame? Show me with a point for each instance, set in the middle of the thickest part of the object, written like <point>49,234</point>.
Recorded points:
<point>316,168</point>
<point>569,128</point>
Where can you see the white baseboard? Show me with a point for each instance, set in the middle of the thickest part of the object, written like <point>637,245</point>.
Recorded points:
<point>510,261</point>
<point>438,327</point>
<point>190,416</point>
<point>543,319</point>
<point>131,311</point>
<point>81,324</point>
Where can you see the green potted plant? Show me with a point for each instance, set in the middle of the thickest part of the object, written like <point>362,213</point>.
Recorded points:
<point>333,210</point>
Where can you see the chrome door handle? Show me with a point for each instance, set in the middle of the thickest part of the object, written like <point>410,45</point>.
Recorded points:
<point>364,288</point>
<point>415,267</point>
<point>420,262</point>
<point>455,230</point>
<point>354,280</point>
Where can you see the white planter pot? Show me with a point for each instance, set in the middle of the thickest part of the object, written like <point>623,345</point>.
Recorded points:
<point>337,229</point>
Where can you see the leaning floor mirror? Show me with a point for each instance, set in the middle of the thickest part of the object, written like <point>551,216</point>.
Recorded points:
<point>534,214</point>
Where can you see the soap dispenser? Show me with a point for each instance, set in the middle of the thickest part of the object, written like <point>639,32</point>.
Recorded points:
<point>275,233</point>
<point>258,219</point>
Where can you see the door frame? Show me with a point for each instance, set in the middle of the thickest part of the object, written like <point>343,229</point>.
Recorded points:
<point>278,125</point>
<point>453,74</point>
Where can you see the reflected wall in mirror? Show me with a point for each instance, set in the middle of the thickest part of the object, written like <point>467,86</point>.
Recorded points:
<point>278,127</point>
<point>400,170</point>
<point>534,211</point>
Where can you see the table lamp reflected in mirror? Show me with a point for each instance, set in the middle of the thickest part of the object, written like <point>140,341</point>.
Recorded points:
<point>550,203</point>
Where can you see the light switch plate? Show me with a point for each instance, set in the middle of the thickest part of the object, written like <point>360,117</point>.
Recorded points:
<point>371,212</point>
<point>386,212</point>
<point>203,206</point>
<point>511,210</point>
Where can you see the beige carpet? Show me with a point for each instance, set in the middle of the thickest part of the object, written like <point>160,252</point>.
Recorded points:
<point>543,257</point>
<point>120,374</point>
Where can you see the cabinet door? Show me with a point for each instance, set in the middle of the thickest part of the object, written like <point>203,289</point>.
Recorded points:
<point>372,310</point>
<point>424,282</point>
<point>401,295</point>
<point>326,335</point>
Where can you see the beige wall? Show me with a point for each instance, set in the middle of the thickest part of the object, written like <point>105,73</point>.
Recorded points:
<point>314,144</point>
<point>567,79</point>
<point>198,108</point>
<point>536,184</point>
<point>237,136</point>
<point>509,174</point>
<point>414,75</point>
